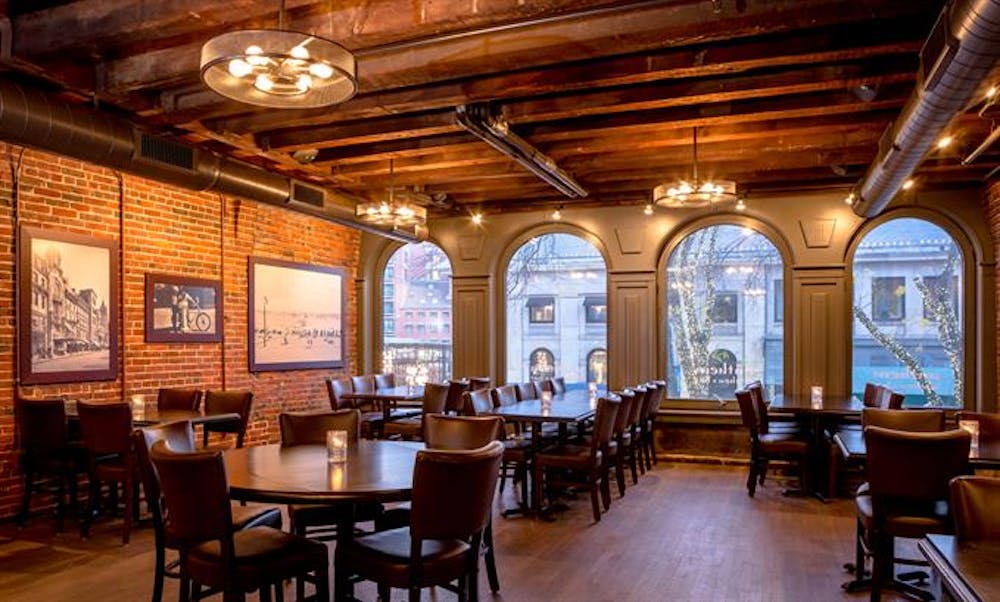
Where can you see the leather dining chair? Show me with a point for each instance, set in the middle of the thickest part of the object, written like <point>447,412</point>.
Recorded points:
<point>989,424</point>
<point>452,503</point>
<point>444,432</point>
<point>337,389</point>
<point>215,555</point>
<point>412,427</point>
<point>456,399</point>
<point>765,446</point>
<point>588,462</point>
<point>106,429</point>
<point>526,391</point>
<point>46,454</point>
<point>178,399</point>
<point>504,395</point>
<point>647,426</point>
<point>517,451</point>
<point>974,506</point>
<point>228,402</point>
<point>364,383</point>
<point>556,386</point>
<point>385,381</point>
<point>908,478</point>
<point>371,417</point>
<point>630,450</point>
<point>479,382</point>
<point>477,402</point>
<point>180,437</point>
<point>619,434</point>
<point>310,428</point>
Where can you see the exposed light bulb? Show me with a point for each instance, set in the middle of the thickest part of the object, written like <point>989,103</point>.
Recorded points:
<point>299,52</point>
<point>648,210</point>
<point>239,68</point>
<point>255,55</point>
<point>405,211</point>
<point>263,83</point>
<point>303,83</point>
<point>908,184</point>
<point>991,92</point>
<point>321,70</point>
<point>850,199</point>
<point>477,218</point>
<point>945,141</point>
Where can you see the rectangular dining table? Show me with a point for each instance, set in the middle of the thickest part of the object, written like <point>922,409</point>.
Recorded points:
<point>150,415</point>
<point>969,570</point>
<point>391,399</point>
<point>985,455</point>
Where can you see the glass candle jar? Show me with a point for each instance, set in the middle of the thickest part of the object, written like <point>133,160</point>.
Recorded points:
<point>336,446</point>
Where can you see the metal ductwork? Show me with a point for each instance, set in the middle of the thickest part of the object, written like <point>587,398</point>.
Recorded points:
<point>32,118</point>
<point>959,54</point>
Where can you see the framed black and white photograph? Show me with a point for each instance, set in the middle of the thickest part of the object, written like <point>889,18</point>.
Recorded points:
<point>67,307</point>
<point>296,318</point>
<point>183,310</point>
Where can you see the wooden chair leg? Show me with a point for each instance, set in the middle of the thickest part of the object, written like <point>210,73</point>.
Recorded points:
<point>322,582</point>
<point>752,478</point>
<point>539,486</point>
<point>129,494</point>
<point>503,475</point>
<point>265,593</point>
<point>633,467</point>
<point>491,559</point>
<point>22,516</point>
<point>606,489</point>
<point>158,575</point>
<point>620,474</point>
<point>594,503</point>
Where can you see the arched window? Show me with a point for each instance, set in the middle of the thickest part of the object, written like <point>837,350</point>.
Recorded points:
<point>725,288</point>
<point>541,364</point>
<point>416,314</point>
<point>556,298</point>
<point>597,366</point>
<point>907,312</point>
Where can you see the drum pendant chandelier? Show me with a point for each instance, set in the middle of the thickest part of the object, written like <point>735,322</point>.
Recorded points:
<point>278,68</point>
<point>695,192</point>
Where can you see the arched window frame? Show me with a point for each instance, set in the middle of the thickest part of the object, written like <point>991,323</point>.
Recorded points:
<point>776,238</point>
<point>552,362</point>
<point>378,303</point>
<point>971,301</point>
<point>589,357</point>
<point>499,268</point>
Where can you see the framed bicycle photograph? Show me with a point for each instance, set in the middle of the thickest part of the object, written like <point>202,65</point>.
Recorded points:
<point>67,307</point>
<point>183,310</point>
<point>296,315</point>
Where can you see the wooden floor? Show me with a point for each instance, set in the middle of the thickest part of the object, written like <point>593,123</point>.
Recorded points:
<point>685,532</point>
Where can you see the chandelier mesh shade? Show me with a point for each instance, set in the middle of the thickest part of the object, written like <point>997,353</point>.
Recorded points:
<point>279,69</point>
<point>694,192</point>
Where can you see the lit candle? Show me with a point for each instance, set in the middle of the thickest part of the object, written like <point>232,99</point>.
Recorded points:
<point>816,394</point>
<point>336,446</point>
<point>546,397</point>
<point>138,405</point>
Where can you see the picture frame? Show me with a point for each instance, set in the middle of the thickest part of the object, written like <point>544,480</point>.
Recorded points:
<point>179,309</point>
<point>295,315</point>
<point>67,307</point>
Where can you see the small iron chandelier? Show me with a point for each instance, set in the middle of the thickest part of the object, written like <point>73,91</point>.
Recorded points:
<point>694,192</point>
<point>393,211</point>
<point>278,68</point>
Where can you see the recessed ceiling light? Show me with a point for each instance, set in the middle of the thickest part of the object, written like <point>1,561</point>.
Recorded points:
<point>477,218</point>
<point>908,184</point>
<point>945,141</point>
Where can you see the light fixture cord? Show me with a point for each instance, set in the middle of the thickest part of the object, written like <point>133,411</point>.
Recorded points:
<point>281,15</point>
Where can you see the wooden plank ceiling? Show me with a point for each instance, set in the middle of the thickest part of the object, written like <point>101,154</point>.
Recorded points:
<point>786,93</point>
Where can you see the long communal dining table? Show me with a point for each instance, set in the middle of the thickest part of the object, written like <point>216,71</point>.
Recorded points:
<point>392,400</point>
<point>374,471</point>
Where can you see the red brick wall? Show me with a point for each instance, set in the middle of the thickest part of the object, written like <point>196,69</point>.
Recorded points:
<point>166,230</point>
<point>991,207</point>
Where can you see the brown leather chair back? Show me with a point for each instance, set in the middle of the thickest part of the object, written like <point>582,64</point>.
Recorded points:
<point>661,394</point>
<point>604,424</point>
<point>337,388</point>
<point>642,395</point>
<point>178,399</point>
<point>871,396</point>
<point>180,438</point>
<point>309,428</point>
<point>106,428</point>
<point>456,400</point>
<point>476,402</point>
<point>629,400</point>
<point>41,425</point>
<point>914,467</point>
<point>479,382</point>
<point>230,402</point>
<point>918,421</point>
<point>889,399</point>
<point>756,390</point>
<point>196,495</point>
<point>364,384</point>
<point>974,506</point>
<point>453,492</point>
<point>460,432</point>
<point>748,413</point>
<point>558,385</point>
<point>385,381</point>
<point>526,391</point>
<point>504,396</point>
<point>989,424</point>
<point>435,398</point>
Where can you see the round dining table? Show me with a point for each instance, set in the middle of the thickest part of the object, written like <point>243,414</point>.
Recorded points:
<point>373,471</point>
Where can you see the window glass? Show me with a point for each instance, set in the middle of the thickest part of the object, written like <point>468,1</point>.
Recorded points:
<point>778,299</point>
<point>721,281</point>
<point>548,330</point>
<point>416,301</point>
<point>907,307</point>
<point>597,367</point>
